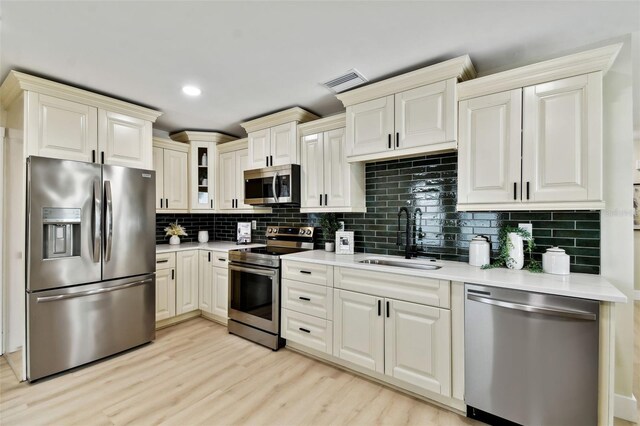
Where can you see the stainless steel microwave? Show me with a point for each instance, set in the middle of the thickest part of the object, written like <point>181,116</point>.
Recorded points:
<point>272,186</point>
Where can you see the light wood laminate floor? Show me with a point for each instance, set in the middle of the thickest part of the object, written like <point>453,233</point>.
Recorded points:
<point>196,373</point>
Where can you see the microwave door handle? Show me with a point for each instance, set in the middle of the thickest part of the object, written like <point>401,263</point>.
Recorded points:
<point>97,225</point>
<point>275,187</point>
<point>108,220</point>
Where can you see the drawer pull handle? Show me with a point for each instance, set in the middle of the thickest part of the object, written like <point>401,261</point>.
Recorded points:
<point>304,298</point>
<point>305,272</point>
<point>304,329</point>
<point>222,259</point>
<point>162,261</point>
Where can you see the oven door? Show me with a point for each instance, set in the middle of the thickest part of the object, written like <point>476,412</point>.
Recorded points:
<point>254,296</point>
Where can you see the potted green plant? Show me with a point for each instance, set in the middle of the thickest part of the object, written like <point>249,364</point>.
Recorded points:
<point>511,251</point>
<point>176,231</point>
<point>330,225</point>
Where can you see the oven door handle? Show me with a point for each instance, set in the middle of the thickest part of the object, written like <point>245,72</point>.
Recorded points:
<point>259,271</point>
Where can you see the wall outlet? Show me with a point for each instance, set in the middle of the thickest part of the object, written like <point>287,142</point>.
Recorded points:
<point>341,222</point>
<point>254,225</point>
<point>527,227</point>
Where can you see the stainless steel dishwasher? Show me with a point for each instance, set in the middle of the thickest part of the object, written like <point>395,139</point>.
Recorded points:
<point>530,358</point>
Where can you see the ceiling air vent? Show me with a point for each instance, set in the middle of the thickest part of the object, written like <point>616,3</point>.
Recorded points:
<point>351,78</point>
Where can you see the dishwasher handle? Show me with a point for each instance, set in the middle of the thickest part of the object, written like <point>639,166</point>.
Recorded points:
<point>580,315</point>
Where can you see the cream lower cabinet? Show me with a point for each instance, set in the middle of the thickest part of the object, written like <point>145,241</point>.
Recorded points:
<point>552,129</point>
<point>165,286</point>
<point>214,284</point>
<point>187,285</point>
<point>407,341</point>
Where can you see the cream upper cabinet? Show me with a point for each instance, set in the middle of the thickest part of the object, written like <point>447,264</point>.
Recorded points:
<point>370,127</point>
<point>59,128</point>
<point>187,284</point>
<point>205,282</point>
<point>553,129</point>
<point>124,140</point>
<point>359,329</point>
<point>228,180</point>
<point>202,175</point>
<point>489,152</point>
<point>233,159</point>
<point>418,345</point>
<point>68,123</point>
<point>165,294</point>
<point>562,140</point>
<point>170,161</point>
<point>411,122</point>
<point>284,147</point>
<point>220,289</point>
<point>273,139</point>
<point>425,115</point>
<point>329,183</point>
<point>312,170</point>
<point>259,148</point>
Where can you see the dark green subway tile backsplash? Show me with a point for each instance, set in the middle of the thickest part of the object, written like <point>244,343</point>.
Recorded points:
<point>428,183</point>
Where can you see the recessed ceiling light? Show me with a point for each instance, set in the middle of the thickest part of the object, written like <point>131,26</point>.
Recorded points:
<point>191,90</point>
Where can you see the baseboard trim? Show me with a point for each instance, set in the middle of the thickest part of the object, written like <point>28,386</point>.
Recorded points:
<point>636,294</point>
<point>625,407</point>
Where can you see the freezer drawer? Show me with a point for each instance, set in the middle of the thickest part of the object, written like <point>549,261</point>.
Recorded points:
<point>73,326</point>
<point>531,358</point>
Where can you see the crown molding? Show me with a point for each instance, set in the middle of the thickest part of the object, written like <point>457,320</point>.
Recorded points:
<point>323,124</point>
<point>599,59</point>
<point>187,136</point>
<point>18,81</point>
<point>235,145</point>
<point>281,117</point>
<point>159,142</point>
<point>460,68</point>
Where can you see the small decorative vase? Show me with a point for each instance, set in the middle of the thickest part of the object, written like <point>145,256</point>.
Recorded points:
<point>329,246</point>
<point>203,236</point>
<point>516,251</point>
<point>174,240</point>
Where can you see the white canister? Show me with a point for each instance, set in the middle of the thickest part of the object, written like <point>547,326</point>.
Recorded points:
<point>555,261</point>
<point>203,236</point>
<point>479,249</point>
<point>516,251</point>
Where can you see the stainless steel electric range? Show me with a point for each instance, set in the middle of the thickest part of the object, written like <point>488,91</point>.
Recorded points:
<point>254,284</point>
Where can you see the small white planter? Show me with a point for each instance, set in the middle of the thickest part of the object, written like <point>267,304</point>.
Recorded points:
<point>174,240</point>
<point>329,246</point>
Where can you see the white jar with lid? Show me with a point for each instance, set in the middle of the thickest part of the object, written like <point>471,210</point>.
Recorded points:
<point>479,251</point>
<point>555,261</point>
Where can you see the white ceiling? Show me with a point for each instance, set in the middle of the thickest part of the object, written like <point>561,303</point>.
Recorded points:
<point>252,58</point>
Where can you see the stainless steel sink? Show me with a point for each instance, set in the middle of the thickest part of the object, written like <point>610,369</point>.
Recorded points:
<point>400,264</point>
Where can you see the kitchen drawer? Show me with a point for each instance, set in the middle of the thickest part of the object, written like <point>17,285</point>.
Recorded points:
<point>311,299</point>
<point>422,290</point>
<point>165,260</point>
<point>312,273</point>
<point>312,332</point>
<point>220,260</point>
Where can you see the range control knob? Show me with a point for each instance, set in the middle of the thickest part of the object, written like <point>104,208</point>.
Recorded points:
<point>270,230</point>
<point>301,232</point>
<point>308,231</point>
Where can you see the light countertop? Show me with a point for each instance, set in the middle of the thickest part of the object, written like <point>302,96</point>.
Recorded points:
<point>584,286</point>
<point>223,246</point>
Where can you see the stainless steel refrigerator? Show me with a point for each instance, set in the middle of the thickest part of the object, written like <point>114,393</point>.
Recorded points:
<point>90,267</point>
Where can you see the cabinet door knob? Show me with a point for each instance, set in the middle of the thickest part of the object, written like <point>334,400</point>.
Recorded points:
<point>379,307</point>
<point>102,157</point>
<point>397,140</point>
<point>271,157</point>
<point>515,190</point>
<point>389,139</point>
<point>166,202</point>
<point>266,160</point>
<point>161,202</point>
<point>387,309</point>
<point>173,274</point>
<point>93,155</point>
<point>209,256</point>
<point>527,190</point>
<point>320,199</point>
<point>326,200</point>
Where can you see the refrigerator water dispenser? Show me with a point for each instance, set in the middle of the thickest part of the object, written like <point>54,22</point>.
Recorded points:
<point>61,232</point>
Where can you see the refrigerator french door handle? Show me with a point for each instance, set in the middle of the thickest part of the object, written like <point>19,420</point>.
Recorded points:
<point>108,226</point>
<point>97,225</point>
<point>274,186</point>
<point>90,292</point>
